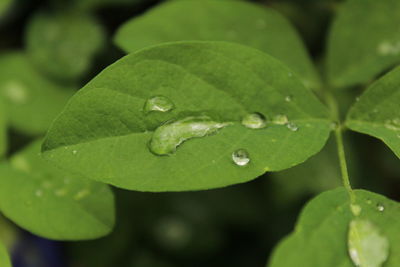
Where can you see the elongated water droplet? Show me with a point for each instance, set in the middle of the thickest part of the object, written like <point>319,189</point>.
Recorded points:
<point>366,245</point>
<point>280,119</point>
<point>254,121</point>
<point>240,157</point>
<point>292,126</point>
<point>380,207</point>
<point>168,137</point>
<point>158,103</point>
<point>355,209</point>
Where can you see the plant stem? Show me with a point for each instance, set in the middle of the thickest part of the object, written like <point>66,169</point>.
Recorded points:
<point>331,101</point>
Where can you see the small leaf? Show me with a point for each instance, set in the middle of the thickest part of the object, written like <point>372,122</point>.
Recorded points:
<point>31,101</point>
<point>377,112</point>
<point>53,203</point>
<point>4,259</point>
<point>371,27</point>
<point>107,123</point>
<point>64,44</point>
<point>325,233</point>
<point>222,20</point>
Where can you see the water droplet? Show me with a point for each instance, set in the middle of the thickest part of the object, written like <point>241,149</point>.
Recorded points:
<point>158,103</point>
<point>240,157</point>
<point>15,92</point>
<point>20,163</point>
<point>292,126</point>
<point>355,209</point>
<point>280,119</point>
<point>81,194</point>
<point>387,48</point>
<point>288,98</point>
<point>254,121</point>
<point>380,207</point>
<point>392,125</point>
<point>369,201</point>
<point>366,245</point>
<point>39,193</point>
<point>74,152</point>
<point>168,137</point>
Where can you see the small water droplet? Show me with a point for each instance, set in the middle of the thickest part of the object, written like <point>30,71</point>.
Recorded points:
<point>292,126</point>
<point>74,152</point>
<point>254,121</point>
<point>355,209</point>
<point>168,137</point>
<point>392,125</point>
<point>39,193</point>
<point>366,245</point>
<point>387,48</point>
<point>280,119</point>
<point>289,98</point>
<point>380,207</point>
<point>20,163</point>
<point>369,201</point>
<point>240,157</point>
<point>158,103</point>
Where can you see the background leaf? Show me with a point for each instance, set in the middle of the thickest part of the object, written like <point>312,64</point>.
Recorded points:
<point>63,44</point>
<point>53,203</point>
<point>3,129</point>
<point>377,112</point>
<point>371,27</point>
<point>106,124</point>
<point>4,259</point>
<point>223,20</point>
<point>31,101</point>
<point>320,237</point>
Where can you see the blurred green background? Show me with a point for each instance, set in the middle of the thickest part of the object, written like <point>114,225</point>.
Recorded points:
<point>234,226</point>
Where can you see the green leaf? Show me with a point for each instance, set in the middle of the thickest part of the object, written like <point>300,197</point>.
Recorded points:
<point>222,20</point>
<point>108,124</point>
<point>377,112</point>
<point>3,129</point>
<point>64,44</point>
<point>324,233</point>
<point>4,259</point>
<point>363,42</point>
<point>4,6</point>
<point>94,4</point>
<point>31,101</point>
<point>53,203</point>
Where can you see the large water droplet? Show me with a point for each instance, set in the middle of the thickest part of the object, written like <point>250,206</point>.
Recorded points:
<point>168,137</point>
<point>254,121</point>
<point>292,126</point>
<point>366,245</point>
<point>280,119</point>
<point>380,207</point>
<point>241,157</point>
<point>158,103</point>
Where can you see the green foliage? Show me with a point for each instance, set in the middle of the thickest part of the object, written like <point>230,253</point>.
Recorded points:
<point>377,112</point>
<point>363,42</point>
<point>64,44</point>
<point>222,20</point>
<point>4,259</point>
<point>106,124</point>
<point>48,201</point>
<point>31,101</point>
<point>321,234</point>
<point>3,129</point>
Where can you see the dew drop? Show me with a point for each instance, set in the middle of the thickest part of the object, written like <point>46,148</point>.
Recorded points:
<point>355,209</point>
<point>380,207</point>
<point>292,126</point>
<point>254,121</point>
<point>74,152</point>
<point>366,245</point>
<point>289,98</point>
<point>20,163</point>
<point>369,201</point>
<point>280,119</point>
<point>240,157</point>
<point>167,137</point>
<point>158,103</point>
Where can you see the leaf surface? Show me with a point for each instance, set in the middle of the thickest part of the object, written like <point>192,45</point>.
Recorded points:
<point>108,126</point>
<point>363,42</point>
<point>53,203</point>
<point>322,231</point>
<point>222,20</point>
<point>64,44</point>
<point>377,113</point>
<point>31,101</point>
<point>4,259</point>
